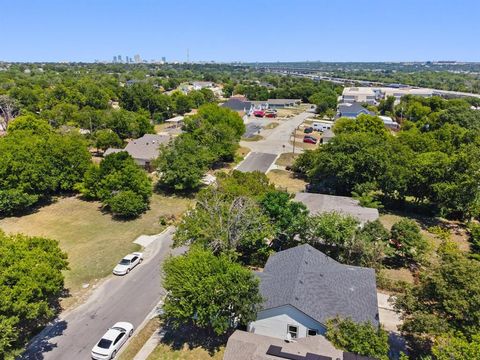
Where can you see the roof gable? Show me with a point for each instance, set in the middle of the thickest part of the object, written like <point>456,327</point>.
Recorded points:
<point>319,286</point>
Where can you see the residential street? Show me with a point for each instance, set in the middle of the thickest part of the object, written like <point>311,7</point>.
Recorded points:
<point>129,298</point>
<point>257,162</point>
<point>277,140</point>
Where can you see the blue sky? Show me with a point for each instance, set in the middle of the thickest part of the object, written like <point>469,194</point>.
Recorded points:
<point>247,30</point>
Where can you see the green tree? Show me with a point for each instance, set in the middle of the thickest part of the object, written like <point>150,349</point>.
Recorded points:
<point>31,283</point>
<point>408,241</point>
<point>191,279</point>
<point>446,300</point>
<point>127,204</point>
<point>106,138</point>
<point>363,123</point>
<point>454,348</point>
<point>119,183</point>
<point>37,163</point>
<point>363,339</point>
<point>289,218</point>
<point>387,106</point>
<point>183,164</point>
<point>340,237</point>
<point>223,223</point>
<point>127,124</point>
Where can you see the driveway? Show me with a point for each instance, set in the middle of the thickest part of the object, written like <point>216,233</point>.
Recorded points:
<point>257,162</point>
<point>127,298</point>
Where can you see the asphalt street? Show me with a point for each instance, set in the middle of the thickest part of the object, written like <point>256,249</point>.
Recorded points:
<point>127,298</point>
<point>252,129</point>
<point>257,162</point>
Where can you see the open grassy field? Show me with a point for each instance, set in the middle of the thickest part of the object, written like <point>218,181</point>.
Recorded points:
<point>93,240</point>
<point>285,180</point>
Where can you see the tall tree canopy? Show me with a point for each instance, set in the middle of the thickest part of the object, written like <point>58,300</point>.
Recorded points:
<point>31,283</point>
<point>191,279</point>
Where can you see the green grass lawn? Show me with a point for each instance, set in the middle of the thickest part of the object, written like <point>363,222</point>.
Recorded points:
<point>93,240</point>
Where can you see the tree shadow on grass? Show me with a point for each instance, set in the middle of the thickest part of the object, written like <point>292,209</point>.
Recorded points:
<point>192,337</point>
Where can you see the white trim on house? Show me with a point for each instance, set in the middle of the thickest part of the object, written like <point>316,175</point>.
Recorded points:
<point>275,322</point>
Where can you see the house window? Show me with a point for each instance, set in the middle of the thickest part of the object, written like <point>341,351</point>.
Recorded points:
<point>311,332</point>
<point>293,331</point>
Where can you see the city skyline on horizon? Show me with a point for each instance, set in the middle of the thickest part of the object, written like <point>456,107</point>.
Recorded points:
<point>307,30</point>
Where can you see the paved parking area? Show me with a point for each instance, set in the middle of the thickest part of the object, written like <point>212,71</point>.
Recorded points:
<point>257,161</point>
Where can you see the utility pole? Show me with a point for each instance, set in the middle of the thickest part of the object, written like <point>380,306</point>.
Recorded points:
<point>188,56</point>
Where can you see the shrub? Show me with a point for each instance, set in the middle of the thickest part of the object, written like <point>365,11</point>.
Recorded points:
<point>127,204</point>
<point>363,339</point>
<point>13,200</point>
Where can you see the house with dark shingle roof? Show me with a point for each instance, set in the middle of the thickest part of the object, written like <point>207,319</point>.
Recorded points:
<point>239,104</point>
<point>302,288</point>
<point>143,150</point>
<point>352,110</point>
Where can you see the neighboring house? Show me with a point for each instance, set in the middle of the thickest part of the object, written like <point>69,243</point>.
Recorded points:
<point>327,136</point>
<point>143,150</point>
<point>199,85</point>
<point>322,203</point>
<point>239,104</point>
<point>302,288</point>
<point>282,103</point>
<point>243,345</point>
<point>352,110</point>
<point>390,123</point>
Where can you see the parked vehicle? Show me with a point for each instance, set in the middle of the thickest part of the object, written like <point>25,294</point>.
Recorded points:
<point>128,263</point>
<point>309,139</point>
<point>259,113</point>
<point>271,114</point>
<point>318,126</point>
<point>308,130</point>
<point>112,341</point>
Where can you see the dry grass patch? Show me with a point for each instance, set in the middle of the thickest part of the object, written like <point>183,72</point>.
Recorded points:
<point>271,125</point>
<point>165,352</point>
<point>286,180</point>
<point>286,159</point>
<point>93,240</point>
<point>139,339</point>
<point>242,151</point>
<point>254,138</point>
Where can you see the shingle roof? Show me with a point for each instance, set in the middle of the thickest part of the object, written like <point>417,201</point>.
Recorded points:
<point>283,101</point>
<point>321,203</point>
<point>353,108</point>
<point>237,104</point>
<point>146,147</point>
<point>319,286</point>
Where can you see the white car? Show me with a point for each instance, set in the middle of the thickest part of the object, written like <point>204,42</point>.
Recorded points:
<point>112,341</point>
<point>128,263</point>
